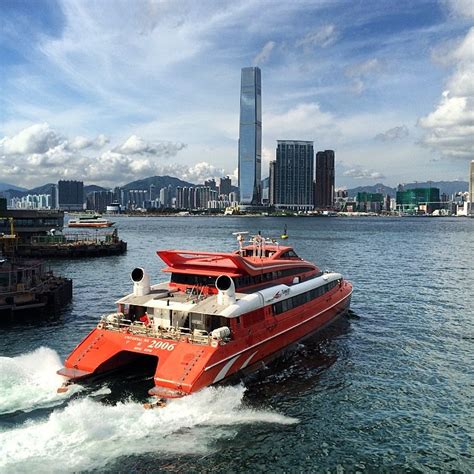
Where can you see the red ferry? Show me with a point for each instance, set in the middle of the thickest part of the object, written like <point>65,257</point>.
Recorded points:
<point>220,314</point>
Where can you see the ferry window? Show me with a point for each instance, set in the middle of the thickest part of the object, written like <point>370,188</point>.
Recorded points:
<point>289,254</point>
<point>197,321</point>
<point>198,280</point>
<point>214,322</point>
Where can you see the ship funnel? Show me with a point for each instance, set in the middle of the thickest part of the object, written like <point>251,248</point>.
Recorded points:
<point>225,286</point>
<point>141,282</point>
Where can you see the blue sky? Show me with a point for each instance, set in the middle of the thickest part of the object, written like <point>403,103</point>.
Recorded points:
<point>111,91</point>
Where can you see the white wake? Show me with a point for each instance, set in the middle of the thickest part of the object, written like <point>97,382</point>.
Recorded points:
<point>88,435</point>
<point>30,381</point>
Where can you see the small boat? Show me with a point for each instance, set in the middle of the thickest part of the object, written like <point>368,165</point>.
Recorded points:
<point>91,221</point>
<point>218,316</point>
<point>285,233</point>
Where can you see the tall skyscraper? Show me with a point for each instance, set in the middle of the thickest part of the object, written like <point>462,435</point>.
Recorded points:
<point>324,195</point>
<point>250,136</point>
<point>471,189</point>
<point>71,195</point>
<point>293,175</point>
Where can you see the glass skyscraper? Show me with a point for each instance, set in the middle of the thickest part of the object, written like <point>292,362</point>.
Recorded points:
<point>250,136</point>
<point>325,179</point>
<point>293,175</point>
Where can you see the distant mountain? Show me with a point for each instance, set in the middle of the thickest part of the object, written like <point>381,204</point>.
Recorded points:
<point>158,181</point>
<point>376,188</point>
<point>447,187</point>
<point>90,188</point>
<point>6,186</point>
<point>45,189</point>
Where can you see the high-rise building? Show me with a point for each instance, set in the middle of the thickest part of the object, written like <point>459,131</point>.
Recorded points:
<point>225,185</point>
<point>152,192</point>
<point>294,174</point>
<point>471,189</point>
<point>250,136</point>
<point>211,184</point>
<point>71,195</point>
<point>422,200</point>
<point>54,197</point>
<point>99,200</point>
<point>324,192</point>
<point>271,183</point>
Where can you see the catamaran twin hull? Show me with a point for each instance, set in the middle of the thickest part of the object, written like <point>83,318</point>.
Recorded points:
<point>201,335</point>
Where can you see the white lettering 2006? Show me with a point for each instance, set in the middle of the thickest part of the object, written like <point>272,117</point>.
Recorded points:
<point>165,346</point>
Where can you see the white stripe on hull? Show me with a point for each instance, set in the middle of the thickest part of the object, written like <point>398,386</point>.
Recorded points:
<point>223,372</point>
<point>247,361</point>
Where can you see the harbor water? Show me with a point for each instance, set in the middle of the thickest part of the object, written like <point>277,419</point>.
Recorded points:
<point>389,388</point>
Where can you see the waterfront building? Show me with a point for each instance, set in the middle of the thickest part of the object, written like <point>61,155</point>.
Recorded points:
<point>71,195</point>
<point>54,197</point>
<point>183,200</point>
<point>152,192</point>
<point>165,199</point>
<point>340,200</point>
<point>418,200</point>
<point>31,222</point>
<point>233,198</point>
<point>225,185</point>
<point>136,198</point>
<point>31,201</point>
<point>271,184</point>
<point>250,136</point>
<point>265,191</point>
<point>294,174</point>
<point>325,176</point>
<point>99,200</point>
<point>471,190</point>
<point>370,202</point>
<point>211,183</point>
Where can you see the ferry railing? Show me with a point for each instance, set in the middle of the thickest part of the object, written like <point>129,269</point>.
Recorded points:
<point>118,322</point>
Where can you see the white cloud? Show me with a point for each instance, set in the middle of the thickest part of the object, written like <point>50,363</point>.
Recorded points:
<point>264,55</point>
<point>81,143</point>
<point>199,172</point>
<point>38,138</point>
<point>360,173</point>
<point>135,145</point>
<point>395,133</point>
<point>462,8</point>
<point>39,154</point>
<point>323,37</point>
<point>450,127</point>
<point>303,120</point>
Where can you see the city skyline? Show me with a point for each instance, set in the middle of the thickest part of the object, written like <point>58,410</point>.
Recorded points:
<point>386,86</point>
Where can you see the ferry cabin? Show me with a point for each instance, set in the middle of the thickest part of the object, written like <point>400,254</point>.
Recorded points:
<point>262,291</point>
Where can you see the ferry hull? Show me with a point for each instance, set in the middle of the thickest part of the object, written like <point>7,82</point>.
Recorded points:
<point>184,367</point>
<point>100,225</point>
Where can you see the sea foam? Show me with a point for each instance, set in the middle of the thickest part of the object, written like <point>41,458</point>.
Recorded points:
<point>29,381</point>
<point>87,434</point>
